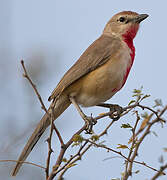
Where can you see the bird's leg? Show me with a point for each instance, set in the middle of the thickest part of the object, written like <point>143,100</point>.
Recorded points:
<point>89,121</point>
<point>115,109</point>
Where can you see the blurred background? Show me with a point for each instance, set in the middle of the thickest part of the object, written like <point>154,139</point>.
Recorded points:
<point>50,36</point>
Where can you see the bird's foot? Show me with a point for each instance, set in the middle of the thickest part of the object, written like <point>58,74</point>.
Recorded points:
<point>90,122</point>
<point>115,110</point>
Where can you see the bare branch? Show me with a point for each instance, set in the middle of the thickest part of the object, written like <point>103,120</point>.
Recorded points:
<point>49,140</point>
<point>62,152</point>
<point>135,144</point>
<point>34,87</point>
<point>58,135</point>
<point>25,162</point>
<point>160,172</point>
<point>128,172</point>
<point>119,153</point>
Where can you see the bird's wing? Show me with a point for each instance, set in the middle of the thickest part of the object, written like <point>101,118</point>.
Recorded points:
<point>98,53</point>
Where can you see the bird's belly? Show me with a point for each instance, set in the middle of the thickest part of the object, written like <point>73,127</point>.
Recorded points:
<point>101,84</point>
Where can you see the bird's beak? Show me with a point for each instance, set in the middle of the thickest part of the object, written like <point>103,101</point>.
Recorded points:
<point>140,18</point>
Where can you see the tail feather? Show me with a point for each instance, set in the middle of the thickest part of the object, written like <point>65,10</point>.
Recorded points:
<point>61,105</point>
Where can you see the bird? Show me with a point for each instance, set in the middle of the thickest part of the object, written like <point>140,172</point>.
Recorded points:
<point>99,73</point>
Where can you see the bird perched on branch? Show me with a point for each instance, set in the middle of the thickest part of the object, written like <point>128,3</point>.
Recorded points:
<point>99,73</point>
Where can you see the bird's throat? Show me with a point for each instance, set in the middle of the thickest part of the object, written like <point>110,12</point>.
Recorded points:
<point>128,39</point>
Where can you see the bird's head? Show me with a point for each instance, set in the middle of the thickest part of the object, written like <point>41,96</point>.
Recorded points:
<point>124,24</point>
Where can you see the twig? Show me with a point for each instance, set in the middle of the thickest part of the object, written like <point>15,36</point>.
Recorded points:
<point>127,108</point>
<point>127,173</point>
<point>62,152</point>
<point>34,87</point>
<point>89,143</point>
<point>79,154</point>
<point>46,111</point>
<point>106,129</point>
<point>25,162</point>
<point>160,172</point>
<point>73,159</point>
<point>146,132</point>
<point>49,141</point>
<point>137,104</point>
<point>150,109</point>
<point>58,134</point>
<point>65,167</point>
<point>119,152</point>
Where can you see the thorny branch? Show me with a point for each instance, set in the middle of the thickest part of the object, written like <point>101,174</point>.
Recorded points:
<point>86,144</point>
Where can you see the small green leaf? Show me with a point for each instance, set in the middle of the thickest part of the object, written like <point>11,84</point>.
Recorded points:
<point>136,172</point>
<point>144,97</point>
<point>122,146</point>
<point>77,138</point>
<point>75,144</point>
<point>137,95</point>
<point>144,115</point>
<point>95,138</point>
<point>158,102</point>
<point>64,160</point>
<point>131,102</point>
<point>137,91</point>
<point>71,165</point>
<point>126,125</point>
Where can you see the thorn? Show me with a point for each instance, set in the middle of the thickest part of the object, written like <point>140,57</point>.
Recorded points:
<point>47,140</point>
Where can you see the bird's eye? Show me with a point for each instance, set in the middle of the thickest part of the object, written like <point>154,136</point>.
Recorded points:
<point>121,19</point>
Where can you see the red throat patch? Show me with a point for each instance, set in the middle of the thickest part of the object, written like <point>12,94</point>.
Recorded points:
<point>128,39</point>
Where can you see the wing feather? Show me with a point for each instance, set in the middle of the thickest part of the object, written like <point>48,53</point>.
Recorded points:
<point>95,55</point>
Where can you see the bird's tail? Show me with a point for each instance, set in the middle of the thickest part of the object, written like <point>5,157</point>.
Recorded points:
<point>61,105</point>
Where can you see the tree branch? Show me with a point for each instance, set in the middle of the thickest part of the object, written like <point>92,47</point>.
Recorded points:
<point>133,151</point>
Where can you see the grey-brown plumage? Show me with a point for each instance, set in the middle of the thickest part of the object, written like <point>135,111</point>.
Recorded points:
<point>98,74</point>
<point>98,53</point>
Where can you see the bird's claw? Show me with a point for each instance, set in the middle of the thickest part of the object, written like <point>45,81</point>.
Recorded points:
<point>116,111</point>
<point>90,122</point>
